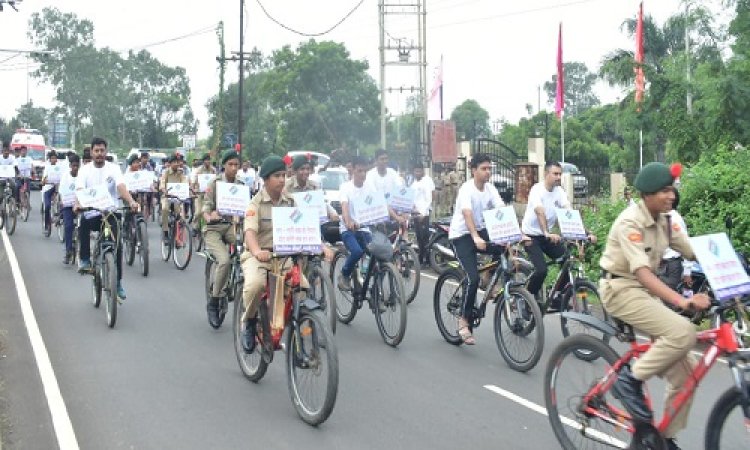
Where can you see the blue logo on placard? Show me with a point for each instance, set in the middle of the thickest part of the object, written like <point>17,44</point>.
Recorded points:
<point>499,215</point>
<point>368,200</point>
<point>295,216</point>
<point>233,190</point>
<point>713,247</point>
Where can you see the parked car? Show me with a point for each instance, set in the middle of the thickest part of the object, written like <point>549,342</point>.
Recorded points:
<point>580,183</point>
<point>331,180</point>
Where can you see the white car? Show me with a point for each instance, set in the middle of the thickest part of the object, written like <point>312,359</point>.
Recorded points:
<point>331,180</point>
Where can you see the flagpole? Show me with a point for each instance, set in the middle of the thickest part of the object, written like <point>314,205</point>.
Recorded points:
<point>441,102</point>
<point>640,135</point>
<point>562,136</point>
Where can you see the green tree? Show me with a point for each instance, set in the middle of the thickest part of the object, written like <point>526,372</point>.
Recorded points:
<point>31,116</point>
<point>579,88</point>
<point>472,121</point>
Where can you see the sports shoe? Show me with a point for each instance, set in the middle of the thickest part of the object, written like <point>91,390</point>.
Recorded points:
<point>630,392</point>
<point>345,283</point>
<point>84,265</point>
<point>121,291</point>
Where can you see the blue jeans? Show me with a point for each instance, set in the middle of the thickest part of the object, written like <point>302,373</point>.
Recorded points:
<point>69,220</point>
<point>355,242</point>
<point>48,206</point>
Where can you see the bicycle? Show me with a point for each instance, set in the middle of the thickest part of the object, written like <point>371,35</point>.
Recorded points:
<point>595,414</point>
<point>135,241</point>
<point>233,288</point>
<point>8,209</point>
<point>293,322</point>
<point>57,218</point>
<point>516,316</point>
<point>179,243</point>
<point>197,235</point>
<point>406,260</point>
<point>54,215</point>
<point>103,265</point>
<point>321,289</point>
<point>24,207</point>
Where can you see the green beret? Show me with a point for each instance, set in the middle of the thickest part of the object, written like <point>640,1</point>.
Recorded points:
<point>299,161</point>
<point>228,155</point>
<point>205,157</point>
<point>653,177</point>
<point>134,157</point>
<point>271,165</point>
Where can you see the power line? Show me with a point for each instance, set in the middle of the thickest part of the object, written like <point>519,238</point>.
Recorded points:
<point>198,32</point>
<point>302,33</point>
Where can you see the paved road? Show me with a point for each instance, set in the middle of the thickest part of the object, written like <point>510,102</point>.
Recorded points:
<point>164,379</point>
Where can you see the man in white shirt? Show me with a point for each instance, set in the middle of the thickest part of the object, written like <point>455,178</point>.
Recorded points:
<point>8,160</point>
<point>424,197</point>
<point>97,173</point>
<point>69,178</point>
<point>537,224</point>
<point>247,174</point>
<point>468,234</point>
<point>50,179</point>
<point>25,165</point>
<point>382,178</point>
<point>674,268</point>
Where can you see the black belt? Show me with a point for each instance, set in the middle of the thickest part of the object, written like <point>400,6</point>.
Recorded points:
<point>609,275</point>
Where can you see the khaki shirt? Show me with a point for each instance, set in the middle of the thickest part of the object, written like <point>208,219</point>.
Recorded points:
<point>292,186</point>
<point>453,178</point>
<point>258,217</point>
<point>171,177</point>
<point>209,197</point>
<point>201,171</point>
<point>637,240</point>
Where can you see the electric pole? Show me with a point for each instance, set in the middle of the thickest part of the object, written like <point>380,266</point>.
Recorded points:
<point>689,98</point>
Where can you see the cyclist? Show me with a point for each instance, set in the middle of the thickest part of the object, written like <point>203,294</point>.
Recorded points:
<point>148,197</point>
<point>301,182</point>
<point>97,173</point>
<point>8,160</point>
<point>67,179</point>
<point>468,233</point>
<point>537,223</point>
<point>50,179</point>
<point>203,169</point>
<point>247,173</point>
<point>134,164</point>
<point>24,164</point>
<point>219,231</point>
<point>631,292</point>
<point>173,174</point>
<point>382,178</point>
<point>424,198</point>
<point>86,158</point>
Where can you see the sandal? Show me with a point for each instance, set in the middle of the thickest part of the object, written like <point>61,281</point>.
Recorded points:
<point>465,334</point>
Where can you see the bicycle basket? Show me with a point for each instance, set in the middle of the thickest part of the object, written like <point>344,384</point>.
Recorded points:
<point>380,247</point>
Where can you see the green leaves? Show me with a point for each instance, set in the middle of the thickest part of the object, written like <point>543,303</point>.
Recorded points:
<point>472,121</point>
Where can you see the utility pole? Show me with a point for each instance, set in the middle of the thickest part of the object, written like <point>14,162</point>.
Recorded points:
<point>403,48</point>
<point>242,73</point>
<point>689,99</point>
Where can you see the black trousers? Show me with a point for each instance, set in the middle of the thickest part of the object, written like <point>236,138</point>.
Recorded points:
<point>84,238</point>
<point>422,230</point>
<point>466,252</point>
<point>539,247</point>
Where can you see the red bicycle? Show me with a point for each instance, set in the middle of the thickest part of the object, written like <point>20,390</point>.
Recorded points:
<point>584,412</point>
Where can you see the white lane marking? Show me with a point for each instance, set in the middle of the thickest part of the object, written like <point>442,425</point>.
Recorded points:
<point>543,411</point>
<point>66,437</point>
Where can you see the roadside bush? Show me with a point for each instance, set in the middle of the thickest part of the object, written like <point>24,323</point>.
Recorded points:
<point>598,219</point>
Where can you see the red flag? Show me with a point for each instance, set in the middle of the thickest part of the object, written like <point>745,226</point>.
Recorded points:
<point>560,94</point>
<point>640,80</point>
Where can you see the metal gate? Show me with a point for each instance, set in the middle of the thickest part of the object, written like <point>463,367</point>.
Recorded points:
<point>503,165</point>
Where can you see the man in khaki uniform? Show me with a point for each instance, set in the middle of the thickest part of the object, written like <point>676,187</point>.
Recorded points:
<point>219,232</point>
<point>172,175</point>
<point>631,292</point>
<point>301,182</point>
<point>439,190</point>
<point>203,169</point>
<point>454,182</point>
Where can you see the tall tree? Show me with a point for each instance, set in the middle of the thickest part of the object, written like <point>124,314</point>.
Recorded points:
<point>579,88</point>
<point>472,121</point>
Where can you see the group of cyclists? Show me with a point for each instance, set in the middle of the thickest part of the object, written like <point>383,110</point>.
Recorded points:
<point>631,290</point>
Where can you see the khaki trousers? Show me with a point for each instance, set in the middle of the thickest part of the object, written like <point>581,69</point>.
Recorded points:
<point>255,273</point>
<point>669,357</point>
<point>217,237</point>
<point>165,212</point>
<point>198,213</point>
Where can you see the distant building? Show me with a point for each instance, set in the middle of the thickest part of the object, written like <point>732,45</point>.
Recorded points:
<point>58,131</point>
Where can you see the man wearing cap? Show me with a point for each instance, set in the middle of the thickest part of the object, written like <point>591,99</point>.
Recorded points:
<point>204,169</point>
<point>301,182</point>
<point>172,175</point>
<point>631,291</point>
<point>219,232</point>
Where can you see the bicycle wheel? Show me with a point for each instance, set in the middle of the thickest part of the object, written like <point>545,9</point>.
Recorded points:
<point>567,380</point>
<point>520,345</point>
<point>129,243</point>
<point>60,226</point>
<point>346,308</point>
<point>198,241</point>
<point>209,278</point>
<point>312,367</point>
<point>182,244</point>
<point>447,298</point>
<point>25,206</point>
<point>2,213</point>
<point>10,216</point>
<point>109,282</point>
<point>141,237</point>
<point>96,287</point>
<point>406,261</point>
<point>726,428</point>
<point>321,290</point>
<point>390,304</point>
<point>252,365</point>
<point>166,247</point>
<point>583,298</point>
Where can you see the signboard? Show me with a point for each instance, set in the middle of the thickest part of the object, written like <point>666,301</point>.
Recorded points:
<point>369,209</point>
<point>96,197</point>
<point>179,190</point>
<point>139,181</point>
<point>203,180</point>
<point>67,193</point>
<point>312,199</point>
<point>720,264</point>
<point>7,171</point>
<point>401,199</point>
<point>296,230</point>
<point>502,225</point>
<point>443,145</point>
<point>571,225</point>
<point>232,199</point>
<point>188,141</point>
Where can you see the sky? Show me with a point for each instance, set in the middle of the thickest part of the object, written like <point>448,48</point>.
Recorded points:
<point>497,52</point>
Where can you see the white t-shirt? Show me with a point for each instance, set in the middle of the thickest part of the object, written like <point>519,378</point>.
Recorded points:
<point>423,195</point>
<point>385,184</point>
<point>24,165</point>
<point>348,192</point>
<point>9,161</point>
<point>469,197</point>
<point>248,176</point>
<point>540,196</point>
<point>66,180</point>
<point>53,173</point>
<point>89,176</point>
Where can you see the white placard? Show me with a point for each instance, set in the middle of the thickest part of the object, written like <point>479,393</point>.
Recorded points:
<point>232,199</point>
<point>571,225</point>
<point>203,180</point>
<point>54,173</point>
<point>179,190</point>
<point>312,199</point>
<point>139,181</point>
<point>96,197</point>
<point>7,171</point>
<point>369,209</point>
<point>402,199</point>
<point>720,264</point>
<point>502,225</point>
<point>67,193</point>
<point>296,230</point>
